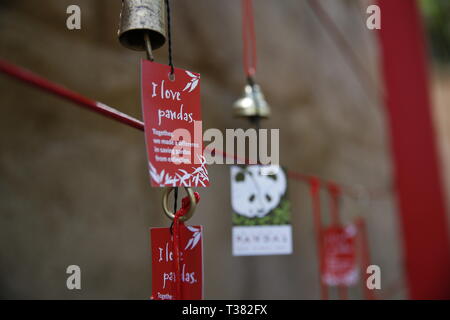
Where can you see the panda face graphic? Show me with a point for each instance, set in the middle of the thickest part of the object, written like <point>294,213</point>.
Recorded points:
<point>254,195</point>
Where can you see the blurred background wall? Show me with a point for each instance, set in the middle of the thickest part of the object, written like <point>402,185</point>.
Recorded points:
<point>74,187</point>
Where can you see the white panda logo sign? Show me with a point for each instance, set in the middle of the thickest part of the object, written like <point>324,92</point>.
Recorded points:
<point>253,194</point>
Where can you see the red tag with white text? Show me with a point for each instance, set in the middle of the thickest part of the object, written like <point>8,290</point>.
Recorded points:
<point>339,250</point>
<point>173,126</point>
<point>191,263</point>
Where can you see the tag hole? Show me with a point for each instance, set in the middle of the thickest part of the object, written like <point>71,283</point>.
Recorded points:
<point>171,76</point>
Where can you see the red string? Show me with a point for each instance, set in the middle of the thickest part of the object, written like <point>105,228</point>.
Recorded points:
<point>249,38</point>
<point>334,192</point>
<point>185,205</point>
<point>314,185</point>
<point>365,255</point>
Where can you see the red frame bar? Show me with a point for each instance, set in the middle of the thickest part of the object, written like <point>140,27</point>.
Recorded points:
<point>418,182</point>
<point>58,90</point>
<point>43,84</point>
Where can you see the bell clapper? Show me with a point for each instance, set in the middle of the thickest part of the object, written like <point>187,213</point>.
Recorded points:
<point>148,46</point>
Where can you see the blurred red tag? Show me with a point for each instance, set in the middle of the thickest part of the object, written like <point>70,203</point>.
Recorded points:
<point>339,250</point>
<point>173,126</point>
<point>163,265</point>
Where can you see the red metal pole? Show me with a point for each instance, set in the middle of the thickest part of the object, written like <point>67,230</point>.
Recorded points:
<point>418,182</point>
<point>58,90</point>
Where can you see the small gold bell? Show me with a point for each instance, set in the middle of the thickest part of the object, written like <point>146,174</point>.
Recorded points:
<point>252,104</point>
<point>140,17</point>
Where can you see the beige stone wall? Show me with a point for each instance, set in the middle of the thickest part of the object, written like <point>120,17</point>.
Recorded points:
<point>440,78</point>
<point>74,187</point>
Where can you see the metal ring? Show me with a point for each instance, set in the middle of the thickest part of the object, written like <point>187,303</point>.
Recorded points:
<point>165,204</point>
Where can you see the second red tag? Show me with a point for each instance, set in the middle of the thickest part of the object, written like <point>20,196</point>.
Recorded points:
<point>164,280</point>
<point>339,250</point>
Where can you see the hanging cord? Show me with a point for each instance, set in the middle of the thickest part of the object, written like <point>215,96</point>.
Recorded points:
<point>249,40</point>
<point>334,192</point>
<point>172,72</point>
<point>175,200</point>
<point>257,123</point>
<point>363,243</point>
<point>314,187</point>
<point>175,196</point>
<point>249,59</point>
<point>169,35</point>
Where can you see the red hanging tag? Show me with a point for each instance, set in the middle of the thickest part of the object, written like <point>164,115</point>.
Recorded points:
<point>164,263</point>
<point>173,126</point>
<point>177,259</point>
<point>339,256</point>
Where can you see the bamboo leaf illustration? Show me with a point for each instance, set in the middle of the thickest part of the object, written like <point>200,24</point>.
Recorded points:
<point>155,177</point>
<point>194,85</point>
<point>161,176</point>
<point>190,74</point>
<point>187,86</point>
<point>196,240</point>
<point>201,182</point>
<point>189,243</point>
<point>154,173</point>
<point>184,172</point>
<point>192,229</point>
<point>183,179</point>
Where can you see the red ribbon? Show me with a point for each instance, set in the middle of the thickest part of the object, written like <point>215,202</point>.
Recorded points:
<point>334,191</point>
<point>365,255</point>
<point>185,205</point>
<point>314,185</point>
<point>249,38</point>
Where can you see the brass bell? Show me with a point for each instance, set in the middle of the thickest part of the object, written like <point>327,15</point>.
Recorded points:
<point>252,104</point>
<point>141,18</point>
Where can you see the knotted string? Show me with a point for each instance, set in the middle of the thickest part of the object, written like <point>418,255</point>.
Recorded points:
<point>169,36</point>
